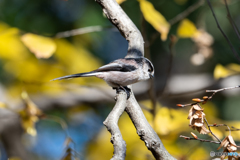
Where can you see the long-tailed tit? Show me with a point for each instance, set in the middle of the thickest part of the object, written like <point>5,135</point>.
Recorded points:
<point>121,73</point>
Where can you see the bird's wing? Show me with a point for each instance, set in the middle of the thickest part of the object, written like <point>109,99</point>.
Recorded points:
<point>114,66</point>
<point>118,65</point>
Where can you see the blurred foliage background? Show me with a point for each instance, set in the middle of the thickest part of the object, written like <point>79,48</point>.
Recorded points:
<point>63,119</point>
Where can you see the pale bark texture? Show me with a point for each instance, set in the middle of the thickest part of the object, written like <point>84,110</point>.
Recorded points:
<point>135,50</point>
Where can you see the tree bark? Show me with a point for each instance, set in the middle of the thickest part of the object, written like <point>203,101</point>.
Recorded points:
<point>111,123</point>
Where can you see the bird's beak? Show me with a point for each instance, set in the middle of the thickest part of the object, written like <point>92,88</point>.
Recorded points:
<point>151,76</point>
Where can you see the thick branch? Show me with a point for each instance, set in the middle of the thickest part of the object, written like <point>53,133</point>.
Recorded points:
<point>111,123</point>
<point>135,49</point>
<point>126,27</point>
<point>145,131</point>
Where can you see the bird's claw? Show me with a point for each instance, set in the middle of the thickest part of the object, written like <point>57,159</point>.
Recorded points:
<point>125,89</point>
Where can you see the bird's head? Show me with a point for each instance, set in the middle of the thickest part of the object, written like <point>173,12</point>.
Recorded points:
<point>149,68</point>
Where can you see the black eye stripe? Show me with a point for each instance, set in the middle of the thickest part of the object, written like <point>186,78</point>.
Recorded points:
<point>150,65</point>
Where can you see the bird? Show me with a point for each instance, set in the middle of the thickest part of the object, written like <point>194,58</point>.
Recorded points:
<point>120,73</point>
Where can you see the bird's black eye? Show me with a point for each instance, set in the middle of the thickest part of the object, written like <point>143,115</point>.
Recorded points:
<point>149,70</point>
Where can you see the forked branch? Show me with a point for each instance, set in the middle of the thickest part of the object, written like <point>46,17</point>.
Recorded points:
<point>135,50</point>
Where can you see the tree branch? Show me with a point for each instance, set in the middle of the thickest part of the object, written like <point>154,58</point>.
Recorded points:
<point>145,131</point>
<point>225,36</point>
<point>135,49</point>
<point>84,30</point>
<point>111,123</point>
<point>186,12</point>
<point>231,20</point>
<point>202,140</point>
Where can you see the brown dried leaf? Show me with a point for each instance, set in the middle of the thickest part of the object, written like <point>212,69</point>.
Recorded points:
<point>190,113</point>
<point>231,148</point>
<point>224,142</point>
<point>192,121</point>
<point>230,138</point>
<point>197,107</point>
<point>198,124</point>
<point>223,155</point>
<point>203,130</point>
<point>195,116</point>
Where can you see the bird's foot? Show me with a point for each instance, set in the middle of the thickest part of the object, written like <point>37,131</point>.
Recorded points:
<point>125,89</point>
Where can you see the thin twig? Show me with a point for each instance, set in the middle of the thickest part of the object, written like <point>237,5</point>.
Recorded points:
<point>231,20</point>
<point>186,12</point>
<point>211,130</point>
<point>202,140</point>
<point>225,36</point>
<point>58,120</point>
<point>84,30</point>
<point>219,90</point>
<point>234,129</point>
<point>197,100</point>
<point>219,125</point>
<point>173,40</point>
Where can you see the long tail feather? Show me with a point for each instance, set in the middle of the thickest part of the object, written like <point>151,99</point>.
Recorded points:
<point>87,74</point>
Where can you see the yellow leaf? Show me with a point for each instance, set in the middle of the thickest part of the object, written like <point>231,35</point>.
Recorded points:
<point>199,152</point>
<point>11,47</point>
<point>217,132</point>
<point>234,67</point>
<point>42,47</point>
<point>81,59</point>
<point>29,115</point>
<point>120,1</point>
<point>170,120</point>
<point>30,108</point>
<point>28,124</point>
<point>221,72</point>
<point>155,18</point>
<point>186,29</point>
